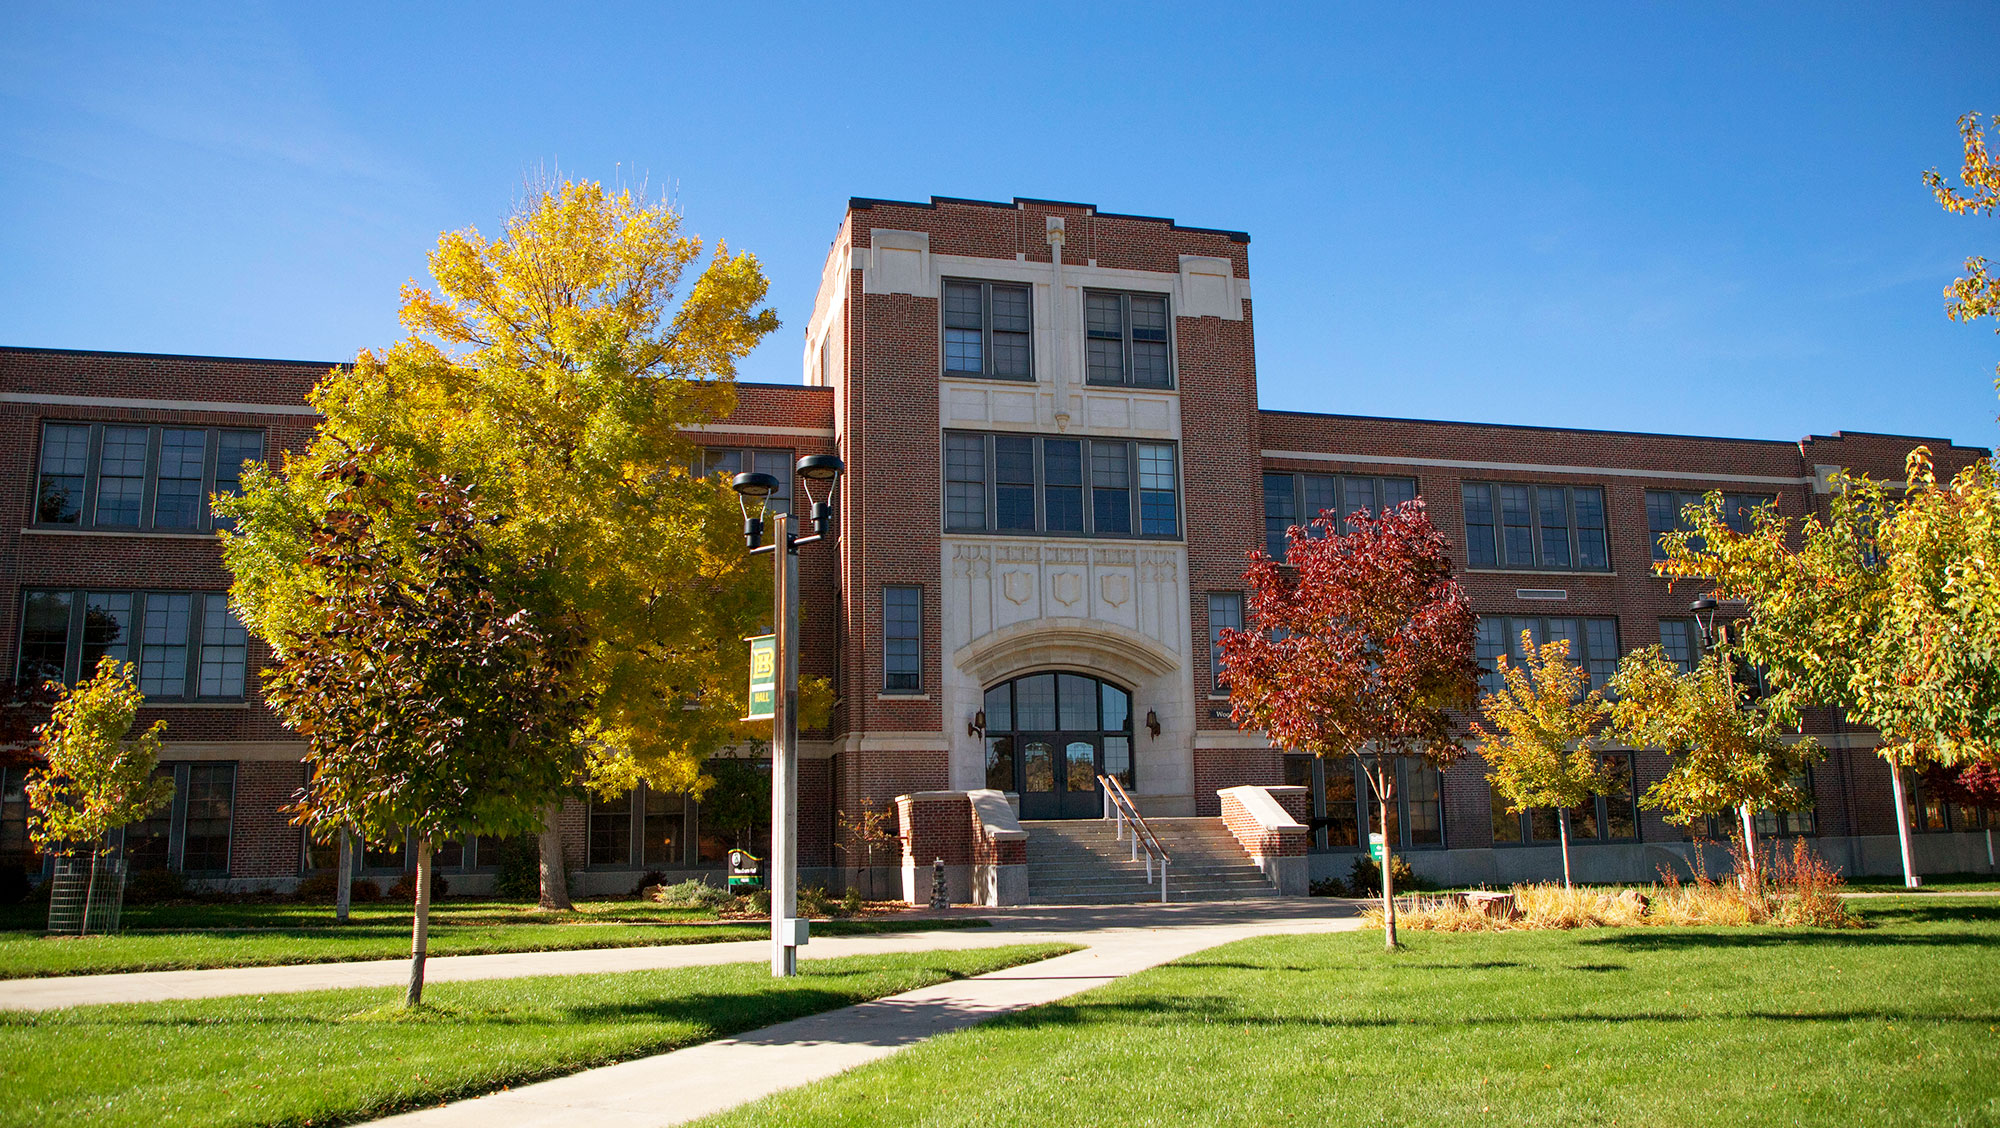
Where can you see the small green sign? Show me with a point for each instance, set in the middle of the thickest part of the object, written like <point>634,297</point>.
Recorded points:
<point>763,678</point>
<point>1375,848</point>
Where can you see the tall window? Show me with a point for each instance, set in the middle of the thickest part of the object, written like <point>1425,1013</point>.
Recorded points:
<point>1344,810</point>
<point>902,638</point>
<point>1663,512</point>
<point>1126,339</point>
<point>987,330</point>
<point>1546,528</point>
<point>1225,612</point>
<point>1090,487</point>
<point>188,645</point>
<point>190,834</point>
<point>1297,499</point>
<point>139,477</point>
<point>611,830</point>
<point>1612,817</point>
<point>1593,644</point>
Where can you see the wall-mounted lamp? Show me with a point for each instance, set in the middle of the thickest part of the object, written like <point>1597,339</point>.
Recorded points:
<point>977,725</point>
<point>1152,722</point>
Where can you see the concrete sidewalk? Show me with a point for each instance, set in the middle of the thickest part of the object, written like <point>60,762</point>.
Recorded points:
<point>1026,925</point>
<point>684,1085</point>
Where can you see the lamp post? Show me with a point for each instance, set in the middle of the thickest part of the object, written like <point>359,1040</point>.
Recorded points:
<point>823,470</point>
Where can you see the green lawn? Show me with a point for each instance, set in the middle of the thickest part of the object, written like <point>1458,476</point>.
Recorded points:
<point>1895,1024</point>
<point>335,1057</point>
<point>1946,882</point>
<point>172,937</point>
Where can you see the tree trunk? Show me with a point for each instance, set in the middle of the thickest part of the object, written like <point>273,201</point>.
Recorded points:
<point>1562,832</point>
<point>1379,777</point>
<point>421,927</point>
<point>555,882</point>
<point>1750,846</point>
<point>343,882</point>
<point>1910,878</point>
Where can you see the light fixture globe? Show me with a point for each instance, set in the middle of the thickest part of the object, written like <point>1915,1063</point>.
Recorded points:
<point>755,485</point>
<point>820,467</point>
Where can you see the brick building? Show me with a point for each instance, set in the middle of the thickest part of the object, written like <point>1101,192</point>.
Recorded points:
<point>1056,462</point>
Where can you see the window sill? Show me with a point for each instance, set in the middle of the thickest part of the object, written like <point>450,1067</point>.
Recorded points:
<point>65,531</point>
<point>984,378</point>
<point>902,697</point>
<point>1537,572</point>
<point>1092,538</point>
<point>1093,385</point>
<point>196,705</point>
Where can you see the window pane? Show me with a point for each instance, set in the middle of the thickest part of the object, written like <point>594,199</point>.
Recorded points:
<point>1342,826</point>
<point>1488,645</point>
<point>1601,645</point>
<point>902,635</point>
<point>1035,703</point>
<point>1010,331</point>
<point>1739,510</point>
<point>1076,697</point>
<point>661,837</point>
<point>778,464</point>
<point>965,482</point>
<point>1662,516</point>
<point>163,645</point>
<point>1280,513</point>
<point>65,457</point>
<point>44,636</point>
<point>961,306</point>
<point>1553,505</point>
<point>1225,612</point>
<point>1620,819</point>
<point>1117,709</point>
<point>1159,512</point>
<point>1592,550</point>
<point>1102,316</point>
<point>205,834</point>
<point>1062,485</point>
<point>611,830</point>
<point>999,760</point>
<point>1014,481</point>
<point>1516,526</point>
<point>1681,642</point>
<point>1356,494</point>
<point>962,351</point>
<point>121,475</point>
<point>999,709</point>
<point>146,841</point>
<point>177,504</point>
<point>1319,493</point>
<point>1396,491</point>
<point>225,649</point>
<point>1111,487</point>
<point>1105,362</point>
<point>107,630</point>
<point>1421,798</point>
<point>238,449</point>
<point>1506,823</point>
<point>1118,759</point>
<point>1479,525</point>
<point>1104,326</point>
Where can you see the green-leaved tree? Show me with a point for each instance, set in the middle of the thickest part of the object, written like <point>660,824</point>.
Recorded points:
<point>93,779</point>
<point>1538,747</point>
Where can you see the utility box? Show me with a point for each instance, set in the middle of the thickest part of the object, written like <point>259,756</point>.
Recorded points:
<point>746,872</point>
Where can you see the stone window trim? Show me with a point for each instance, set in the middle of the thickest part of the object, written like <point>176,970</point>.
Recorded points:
<point>190,647</point>
<point>1006,483</point>
<point>138,477</point>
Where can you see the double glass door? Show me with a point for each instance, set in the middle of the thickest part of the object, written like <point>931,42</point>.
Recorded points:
<point>1048,738</point>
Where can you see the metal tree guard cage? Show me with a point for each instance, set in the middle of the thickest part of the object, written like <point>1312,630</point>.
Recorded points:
<point>86,895</point>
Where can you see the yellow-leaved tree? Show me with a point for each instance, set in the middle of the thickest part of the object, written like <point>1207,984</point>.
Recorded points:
<point>557,367</point>
<point>1977,294</point>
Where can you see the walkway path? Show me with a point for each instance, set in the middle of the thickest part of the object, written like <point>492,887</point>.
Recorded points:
<point>685,1085</point>
<point>1026,925</point>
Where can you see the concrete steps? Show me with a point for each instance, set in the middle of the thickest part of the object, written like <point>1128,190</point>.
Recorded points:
<point>1082,862</point>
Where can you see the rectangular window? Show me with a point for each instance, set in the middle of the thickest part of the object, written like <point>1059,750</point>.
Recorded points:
<point>1681,639</point>
<point>160,631</point>
<point>1126,339</point>
<point>1800,821</point>
<point>1593,644</point>
<point>140,477</point>
<point>1611,817</point>
<point>727,462</point>
<point>611,830</point>
<point>149,841</point>
<point>190,834</point>
<point>1542,528</point>
<point>665,828</point>
<point>902,638</point>
<point>1423,803</point>
<point>1023,483</point>
<point>1300,499</point>
<point>1664,507</point>
<point>1344,809</point>
<point>987,330</point>
<point>1225,612</point>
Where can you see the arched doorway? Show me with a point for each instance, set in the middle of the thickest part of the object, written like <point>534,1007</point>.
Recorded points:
<point>1049,736</point>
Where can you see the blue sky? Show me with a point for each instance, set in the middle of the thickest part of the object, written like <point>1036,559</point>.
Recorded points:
<point>1691,218</point>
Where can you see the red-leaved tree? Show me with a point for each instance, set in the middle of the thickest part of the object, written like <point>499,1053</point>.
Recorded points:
<point>1360,645</point>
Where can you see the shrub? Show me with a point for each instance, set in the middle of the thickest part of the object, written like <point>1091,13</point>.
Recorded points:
<point>517,872</point>
<point>758,903</point>
<point>1365,880</point>
<point>1813,891</point>
<point>367,889</point>
<point>693,893</point>
<point>319,887</point>
<point>815,901</point>
<point>851,903</point>
<point>405,888</point>
<point>152,886</point>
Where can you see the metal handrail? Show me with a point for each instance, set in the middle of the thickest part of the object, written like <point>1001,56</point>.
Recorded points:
<point>1118,805</point>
